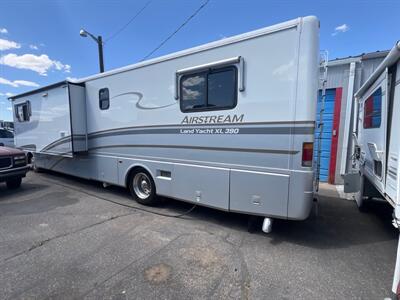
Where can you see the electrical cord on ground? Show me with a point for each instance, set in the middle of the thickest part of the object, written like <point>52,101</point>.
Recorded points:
<point>122,204</point>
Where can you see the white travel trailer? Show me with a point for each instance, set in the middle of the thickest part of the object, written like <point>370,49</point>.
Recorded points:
<point>376,139</point>
<point>376,134</point>
<point>227,125</point>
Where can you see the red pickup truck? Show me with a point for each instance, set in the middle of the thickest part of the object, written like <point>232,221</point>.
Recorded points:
<point>13,166</point>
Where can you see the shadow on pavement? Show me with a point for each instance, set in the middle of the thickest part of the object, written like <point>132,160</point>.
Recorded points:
<point>339,223</point>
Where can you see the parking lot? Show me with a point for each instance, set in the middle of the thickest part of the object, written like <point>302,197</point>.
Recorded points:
<point>61,237</point>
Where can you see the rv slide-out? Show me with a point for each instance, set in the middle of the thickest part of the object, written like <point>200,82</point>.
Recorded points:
<point>52,120</point>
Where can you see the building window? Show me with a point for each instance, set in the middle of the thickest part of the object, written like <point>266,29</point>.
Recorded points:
<point>214,89</point>
<point>373,110</point>
<point>104,99</point>
<point>23,111</point>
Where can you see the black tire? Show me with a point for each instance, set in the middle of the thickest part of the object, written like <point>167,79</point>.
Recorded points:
<point>142,187</point>
<point>14,183</point>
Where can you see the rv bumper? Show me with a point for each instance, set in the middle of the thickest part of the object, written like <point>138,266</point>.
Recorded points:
<point>14,172</point>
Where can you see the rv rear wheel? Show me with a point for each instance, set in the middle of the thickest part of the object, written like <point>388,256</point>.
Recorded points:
<point>142,188</point>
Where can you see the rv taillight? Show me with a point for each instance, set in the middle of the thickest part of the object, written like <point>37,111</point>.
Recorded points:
<point>307,156</point>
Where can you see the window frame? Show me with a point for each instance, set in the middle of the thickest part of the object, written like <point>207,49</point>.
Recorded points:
<point>101,101</point>
<point>371,96</point>
<point>207,72</point>
<point>28,111</point>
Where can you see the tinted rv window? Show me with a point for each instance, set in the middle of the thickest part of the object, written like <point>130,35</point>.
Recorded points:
<point>104,99</point>
<point>23,111</point>
<point>373,110</point>
<point>222,89</point>
<point>194,92</point>
<point>214,89</point>
<point>5,134</point>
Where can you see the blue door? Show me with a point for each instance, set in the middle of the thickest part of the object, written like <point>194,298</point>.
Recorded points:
<point>327,119</point>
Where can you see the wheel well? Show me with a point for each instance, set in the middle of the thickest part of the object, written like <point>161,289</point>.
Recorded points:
<point>134,170</point>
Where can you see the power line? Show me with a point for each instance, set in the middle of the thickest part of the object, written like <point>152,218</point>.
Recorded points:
<point>129,22</point>
<point>176,31</point>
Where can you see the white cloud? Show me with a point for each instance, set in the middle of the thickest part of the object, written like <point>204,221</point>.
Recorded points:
<point>7,94</point>
<point>38,63</point>
<point>3,30</point>
<point>6,44</point>
<point>340,29</point>
<point>26,83</point>
<point>33,47</point>
<point>17,83</point>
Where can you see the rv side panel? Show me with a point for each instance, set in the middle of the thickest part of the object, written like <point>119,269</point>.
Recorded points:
<point>393,168</point>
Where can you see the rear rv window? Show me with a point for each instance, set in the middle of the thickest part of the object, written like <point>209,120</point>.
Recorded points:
<point>104,99</point>
<point>373,110</point>
<point>23,111</point>
<point>214,89</point>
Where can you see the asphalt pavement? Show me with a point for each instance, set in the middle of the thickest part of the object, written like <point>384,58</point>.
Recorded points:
<point>66,238</point>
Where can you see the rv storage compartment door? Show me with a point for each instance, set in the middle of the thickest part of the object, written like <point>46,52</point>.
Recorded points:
<point>259,193</point>
<point>56,122</point>
<point>208,186</point>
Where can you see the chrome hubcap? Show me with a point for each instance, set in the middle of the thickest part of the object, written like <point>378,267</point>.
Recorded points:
<point>142,185</point>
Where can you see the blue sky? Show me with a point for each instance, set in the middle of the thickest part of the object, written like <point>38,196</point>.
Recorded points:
<point>40,42</point>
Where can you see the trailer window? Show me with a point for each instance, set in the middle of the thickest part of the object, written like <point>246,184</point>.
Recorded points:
<point>104,99</point>
<point>5,134</point>
<point>214,89</point>
<point>373,110</point>
<point>23,111</point>
<point>194,92</point>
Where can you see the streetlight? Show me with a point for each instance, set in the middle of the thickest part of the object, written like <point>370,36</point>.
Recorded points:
<point>99,41</point>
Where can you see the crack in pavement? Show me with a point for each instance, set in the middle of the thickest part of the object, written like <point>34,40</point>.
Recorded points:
<point>43,242</point>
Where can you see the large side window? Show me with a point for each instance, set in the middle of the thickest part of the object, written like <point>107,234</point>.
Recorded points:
<point>373,110</point>
<point>214,89</point>
<point>3,134</point>
<point>23,111</point>
<point>9,134</point>
<point>104,99</point>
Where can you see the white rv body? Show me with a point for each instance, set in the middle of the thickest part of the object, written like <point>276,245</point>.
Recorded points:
<point>247,158</point>
<point>376,139</point>
<point>377,131</point>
